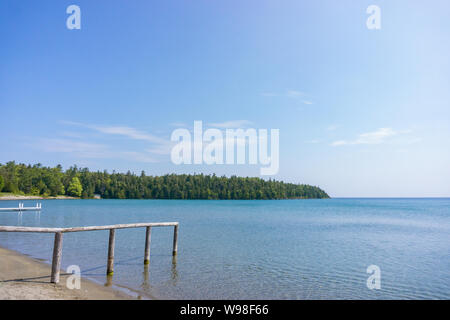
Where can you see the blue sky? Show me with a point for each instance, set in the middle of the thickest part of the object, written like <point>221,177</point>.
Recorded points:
<point>361,112</point>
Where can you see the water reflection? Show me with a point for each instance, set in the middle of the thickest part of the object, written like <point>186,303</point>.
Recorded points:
<point>146,276</point>
<point>37,218</point>
<point>174,270</point>
<point>109,280</point>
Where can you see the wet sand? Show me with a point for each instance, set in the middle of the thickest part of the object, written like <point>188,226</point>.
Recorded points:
<point>25,278</point>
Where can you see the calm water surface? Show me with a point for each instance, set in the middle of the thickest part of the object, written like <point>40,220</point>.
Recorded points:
<point>292,249</point>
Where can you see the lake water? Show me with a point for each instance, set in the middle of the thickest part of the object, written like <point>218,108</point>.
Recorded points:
<point>281,249</point>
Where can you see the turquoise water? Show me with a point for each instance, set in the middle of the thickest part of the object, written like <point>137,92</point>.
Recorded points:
<point>282,249</point>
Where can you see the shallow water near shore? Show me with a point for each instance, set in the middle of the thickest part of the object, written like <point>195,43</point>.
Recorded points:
<point>280,249</point>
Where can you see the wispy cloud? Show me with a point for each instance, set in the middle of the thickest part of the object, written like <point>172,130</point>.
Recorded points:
<point>129,133</point>
<point>137,156</point>
<point>81,149</point>
<point>126,131</point>
<point>156,145</point>
<point>70,134</point>
<point>269,94</point>
<point>231,124</point>
<point>163,149</point>
<point>294,94</point>
<point>332,127</point>
<point>178,124</point>
<point>376,137</point>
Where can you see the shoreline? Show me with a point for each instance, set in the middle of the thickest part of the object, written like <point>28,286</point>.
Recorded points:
<point>20,197</point>
<point>26,278</point>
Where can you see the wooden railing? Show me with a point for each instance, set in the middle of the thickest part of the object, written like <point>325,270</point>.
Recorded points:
<point>57,247</point>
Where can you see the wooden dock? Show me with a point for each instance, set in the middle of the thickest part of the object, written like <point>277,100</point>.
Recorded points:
<point>22,208</point>
<point>57,246</point>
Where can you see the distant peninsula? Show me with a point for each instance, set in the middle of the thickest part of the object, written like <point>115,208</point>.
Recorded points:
<point>23,181</point>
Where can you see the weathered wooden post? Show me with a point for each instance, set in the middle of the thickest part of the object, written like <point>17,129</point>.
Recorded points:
<point>56,261</point>
<point>110,265</point>
<point>148,235</point>
<point>175,240</point>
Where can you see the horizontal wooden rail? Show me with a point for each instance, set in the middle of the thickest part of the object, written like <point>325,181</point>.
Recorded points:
<point>57,246</point>
<point>89,228</point>
<point>29,229</point>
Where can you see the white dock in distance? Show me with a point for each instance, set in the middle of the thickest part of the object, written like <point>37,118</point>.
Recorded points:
<point>22,208</point>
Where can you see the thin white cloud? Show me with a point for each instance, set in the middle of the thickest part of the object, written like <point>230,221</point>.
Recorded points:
<point>137,156</point>
<point>332,127</point>
<point>376,137</point>
<point>269,94</point>
<point>159,146</point>
<point>340,143</point>
<point>161,149</point>
<point>295,94</point>
<point>128,132</point>
<point>231,124</point>
<point>71,134</point>
<point>178,124</point>
<point>81,149</point>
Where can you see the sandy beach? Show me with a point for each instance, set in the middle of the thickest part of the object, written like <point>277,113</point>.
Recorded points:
<point>25,278</point>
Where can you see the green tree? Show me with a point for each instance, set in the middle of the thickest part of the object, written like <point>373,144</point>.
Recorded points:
<point>75,189</point>
<point>39,180</point>
<point>2,183</point>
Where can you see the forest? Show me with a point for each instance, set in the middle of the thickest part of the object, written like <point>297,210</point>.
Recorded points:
<point>80,182</point>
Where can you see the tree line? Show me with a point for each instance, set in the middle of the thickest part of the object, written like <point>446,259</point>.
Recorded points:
<point>80,182</point>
